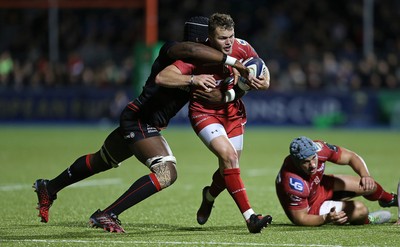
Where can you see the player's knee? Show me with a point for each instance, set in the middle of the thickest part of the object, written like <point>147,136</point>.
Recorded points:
<point>97,163</point>
<point>164,167</point>
<point>358,213</point>
<point>229,157</point>
<point>361,209</point>
<point>107,158</point>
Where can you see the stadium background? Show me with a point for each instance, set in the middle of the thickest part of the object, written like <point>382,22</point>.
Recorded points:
<point>81,64</point>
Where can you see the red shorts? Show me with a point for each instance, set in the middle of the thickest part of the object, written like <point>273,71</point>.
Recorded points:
<point>325,193</point>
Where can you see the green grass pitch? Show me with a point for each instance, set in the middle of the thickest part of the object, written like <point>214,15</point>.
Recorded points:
<point>168,218</point>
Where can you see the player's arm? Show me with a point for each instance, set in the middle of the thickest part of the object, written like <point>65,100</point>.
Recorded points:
<point>217,96</point>
<point>171,76</point>
<point>206,54</point>
<point>260,83</point>
<point>302,218</point>
<point>357,163</point>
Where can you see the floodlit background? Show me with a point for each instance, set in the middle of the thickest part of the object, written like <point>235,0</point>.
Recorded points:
<point>332,63</point>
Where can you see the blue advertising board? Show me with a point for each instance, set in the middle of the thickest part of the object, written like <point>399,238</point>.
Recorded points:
<point>263,108</point>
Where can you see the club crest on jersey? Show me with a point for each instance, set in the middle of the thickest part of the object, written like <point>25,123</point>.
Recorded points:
<point>332,147</point>
<point>241,41</point>
<point>296,184</point>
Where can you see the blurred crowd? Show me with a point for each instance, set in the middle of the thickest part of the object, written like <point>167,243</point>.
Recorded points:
<point>308,45</point>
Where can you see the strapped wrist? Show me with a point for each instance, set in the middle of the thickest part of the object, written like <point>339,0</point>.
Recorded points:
<point>230,60</point>
<point>230,95</point>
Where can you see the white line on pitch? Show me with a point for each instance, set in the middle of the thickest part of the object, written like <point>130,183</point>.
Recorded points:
<point>96,182</point>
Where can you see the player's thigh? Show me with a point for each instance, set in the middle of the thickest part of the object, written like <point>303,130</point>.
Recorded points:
<point>347,183</point>
<point>151,147</point>
<point>221,145</point>
<point>117,147</point>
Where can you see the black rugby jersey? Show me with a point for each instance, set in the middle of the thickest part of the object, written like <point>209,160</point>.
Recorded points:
<point>156,104</point>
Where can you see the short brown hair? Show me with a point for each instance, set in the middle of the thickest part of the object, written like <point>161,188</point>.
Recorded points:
<point>223,21</point>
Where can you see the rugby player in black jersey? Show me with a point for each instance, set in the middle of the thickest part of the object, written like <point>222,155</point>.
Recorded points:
<point>138,133</point>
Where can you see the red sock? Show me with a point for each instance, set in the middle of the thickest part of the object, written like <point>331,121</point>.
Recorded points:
<point>235,186</point>
<point>379,194</point>
<point>217,185</point>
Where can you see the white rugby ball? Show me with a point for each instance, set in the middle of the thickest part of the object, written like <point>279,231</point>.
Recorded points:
<point>256,66</point>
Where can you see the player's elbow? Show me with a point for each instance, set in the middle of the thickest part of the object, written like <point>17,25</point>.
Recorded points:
<point>160,79</point>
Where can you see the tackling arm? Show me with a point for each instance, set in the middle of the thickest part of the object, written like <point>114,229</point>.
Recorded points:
<point>206,54</point>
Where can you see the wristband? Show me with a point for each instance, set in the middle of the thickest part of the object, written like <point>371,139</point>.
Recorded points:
<point>230,60</point>
<point>191,80</point>
<point>230,95</point>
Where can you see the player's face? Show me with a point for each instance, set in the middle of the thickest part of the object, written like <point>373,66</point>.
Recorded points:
<point>223,39</point>
<point>309,165</point>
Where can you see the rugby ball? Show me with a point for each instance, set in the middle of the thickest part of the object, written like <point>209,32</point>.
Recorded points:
<point>256,66</point>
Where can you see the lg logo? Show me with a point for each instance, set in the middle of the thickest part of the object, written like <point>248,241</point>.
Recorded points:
<point>296,184</point>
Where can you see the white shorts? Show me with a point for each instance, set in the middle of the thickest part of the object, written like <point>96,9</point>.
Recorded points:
<point>208,133</point>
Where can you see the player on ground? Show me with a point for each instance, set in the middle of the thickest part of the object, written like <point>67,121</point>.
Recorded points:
<point>139,134</point>
<point>311,198</point>
<point>220,127</point>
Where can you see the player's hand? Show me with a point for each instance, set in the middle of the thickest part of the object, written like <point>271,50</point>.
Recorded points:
<point>241,69</point>
<point>206,82</point>
<point>397,222</point>
<point>260,83</point>
<point>214,96</point>
<point>338,218</point>
<point>367,183</point>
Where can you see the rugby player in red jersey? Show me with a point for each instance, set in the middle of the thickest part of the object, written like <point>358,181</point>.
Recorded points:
<point>139,134</point>
<point>311,198</point>
<point>220,127</point>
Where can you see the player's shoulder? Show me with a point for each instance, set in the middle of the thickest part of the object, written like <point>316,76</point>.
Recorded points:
<point>243,49</point>
<point>292,183</point>
<point>167,45</point>
<point>323,146</point>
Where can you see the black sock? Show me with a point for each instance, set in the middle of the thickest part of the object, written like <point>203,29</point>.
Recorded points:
<point>141,189</point>
<point>78,171</point>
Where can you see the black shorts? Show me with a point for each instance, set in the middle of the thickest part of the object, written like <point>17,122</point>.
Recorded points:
<point>133,128</point>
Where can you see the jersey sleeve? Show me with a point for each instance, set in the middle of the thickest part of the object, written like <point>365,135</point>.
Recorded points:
<point>330,152</point>
<point>184,67</point>
<point>292,191</point>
